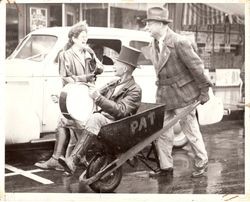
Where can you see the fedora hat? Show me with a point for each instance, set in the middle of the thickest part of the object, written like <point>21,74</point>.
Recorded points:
<point>159,14</point>
<point>129,55</point>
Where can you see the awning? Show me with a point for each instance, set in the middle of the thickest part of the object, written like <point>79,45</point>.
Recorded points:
<point>237,9</point>
<point>132,6</point>
<point>202,14</point>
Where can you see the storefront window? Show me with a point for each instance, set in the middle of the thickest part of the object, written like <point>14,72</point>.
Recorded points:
<point>121,17</point>
<point>55,15</point>
<point>219,36</point>
<point>70,19</point>
<point>11,28</point>
<point>96,14</point>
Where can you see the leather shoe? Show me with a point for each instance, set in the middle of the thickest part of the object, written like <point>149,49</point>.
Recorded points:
<point>200,169</point>
<point>199,173</point>
<point>162,172</point>
<point>51,164</point>
<point>201,165</point>
<point>68,164</point>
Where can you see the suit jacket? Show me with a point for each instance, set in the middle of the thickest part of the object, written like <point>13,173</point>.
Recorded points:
<point>72,65</point>
<point>122,104</point>
<point>179,70</point>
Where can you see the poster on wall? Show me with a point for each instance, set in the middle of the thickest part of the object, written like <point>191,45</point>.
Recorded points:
<point>38,18</point>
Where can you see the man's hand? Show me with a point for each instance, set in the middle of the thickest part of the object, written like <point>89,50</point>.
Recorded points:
<point>204,97</point>
<point>85,78</point>
<point>90,77</point>
<point>93,92</point>
<point>99,68</point>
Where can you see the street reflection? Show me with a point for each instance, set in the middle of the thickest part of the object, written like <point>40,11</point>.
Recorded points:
<point>71,183</point>
<point>214,177</point>
<point>182,182</point>
<point>182,170</point>
<point>67,182</point>
<point>182,162</point>
<point>165,184</point>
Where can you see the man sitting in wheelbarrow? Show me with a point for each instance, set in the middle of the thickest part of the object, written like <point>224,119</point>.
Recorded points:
<point>116,99</point>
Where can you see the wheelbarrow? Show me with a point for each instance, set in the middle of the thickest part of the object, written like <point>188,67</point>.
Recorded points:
<point>122,140</point>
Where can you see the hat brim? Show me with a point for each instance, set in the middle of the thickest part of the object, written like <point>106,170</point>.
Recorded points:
<point>126,62</point>
<point>157,20</point>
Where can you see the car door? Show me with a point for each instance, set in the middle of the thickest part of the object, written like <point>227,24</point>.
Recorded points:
<point>24,89</point>
<point>52,86</point>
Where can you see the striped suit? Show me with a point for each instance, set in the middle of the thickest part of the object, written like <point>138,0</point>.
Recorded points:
<point>180,74</point>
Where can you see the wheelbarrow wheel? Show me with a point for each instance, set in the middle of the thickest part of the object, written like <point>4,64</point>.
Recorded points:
<point>107,184</point>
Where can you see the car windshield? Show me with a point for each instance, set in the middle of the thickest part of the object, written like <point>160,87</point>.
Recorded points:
<point>36,47</point>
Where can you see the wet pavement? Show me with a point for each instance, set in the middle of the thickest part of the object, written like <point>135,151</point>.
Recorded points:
<point>226,175</point>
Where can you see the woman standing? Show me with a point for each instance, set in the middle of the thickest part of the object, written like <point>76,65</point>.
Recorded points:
<point>77,63</point>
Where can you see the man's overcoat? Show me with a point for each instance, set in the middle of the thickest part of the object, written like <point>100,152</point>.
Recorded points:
<point>179,71</point>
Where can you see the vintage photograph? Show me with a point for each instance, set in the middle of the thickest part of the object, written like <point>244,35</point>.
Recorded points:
<point>118,97</point>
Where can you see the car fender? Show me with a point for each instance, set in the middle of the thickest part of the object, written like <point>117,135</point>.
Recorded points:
<point>21,121</point>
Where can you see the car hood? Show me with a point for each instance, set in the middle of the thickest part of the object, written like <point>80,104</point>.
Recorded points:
<point>23,68</point>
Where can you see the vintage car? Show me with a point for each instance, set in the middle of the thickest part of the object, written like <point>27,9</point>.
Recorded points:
<point>32,79</point>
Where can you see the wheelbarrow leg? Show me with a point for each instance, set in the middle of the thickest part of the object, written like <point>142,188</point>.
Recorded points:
<point>156,154</point>
<point>155,158</point>
<point>144,159</point>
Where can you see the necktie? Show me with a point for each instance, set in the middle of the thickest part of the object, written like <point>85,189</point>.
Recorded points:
<point>157,47</point>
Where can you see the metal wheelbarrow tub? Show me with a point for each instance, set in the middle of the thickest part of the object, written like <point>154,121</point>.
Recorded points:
<point>125,133</point>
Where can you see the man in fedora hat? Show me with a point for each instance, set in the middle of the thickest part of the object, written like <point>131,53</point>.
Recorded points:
<point>117,99</point>
<point>181,81</point>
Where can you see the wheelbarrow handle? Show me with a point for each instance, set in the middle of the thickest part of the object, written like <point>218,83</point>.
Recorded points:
<point>180,116</point>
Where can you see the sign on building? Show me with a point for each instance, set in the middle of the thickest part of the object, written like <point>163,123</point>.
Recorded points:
<point>38,18</point>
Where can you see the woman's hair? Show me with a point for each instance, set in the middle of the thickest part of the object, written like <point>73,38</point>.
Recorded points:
<point>75,31</point>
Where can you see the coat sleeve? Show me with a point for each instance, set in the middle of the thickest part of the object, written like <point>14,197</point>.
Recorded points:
<point>64,68</point>
<point>106,87</point>
<point>193,62</point>
<point>64,65</point>
<point>125,106</point>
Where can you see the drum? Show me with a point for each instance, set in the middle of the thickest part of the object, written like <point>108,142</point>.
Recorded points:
<point>75,103</point>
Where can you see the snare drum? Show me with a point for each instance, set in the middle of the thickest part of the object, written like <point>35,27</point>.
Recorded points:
<point>75,103</point>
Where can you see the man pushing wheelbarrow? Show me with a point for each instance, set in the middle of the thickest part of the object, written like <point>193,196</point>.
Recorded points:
<point>181,81</point>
